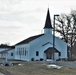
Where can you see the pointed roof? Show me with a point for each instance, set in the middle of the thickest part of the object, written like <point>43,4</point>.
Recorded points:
<point>48,20</point>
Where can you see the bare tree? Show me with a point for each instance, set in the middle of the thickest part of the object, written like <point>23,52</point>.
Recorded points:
<point>66,26</point>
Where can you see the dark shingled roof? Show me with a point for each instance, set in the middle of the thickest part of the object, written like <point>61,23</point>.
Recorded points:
<point>48,21</point>
<point>29,39</point>
<point>6,46</point>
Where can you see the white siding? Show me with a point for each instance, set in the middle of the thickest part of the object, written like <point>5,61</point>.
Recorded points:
<point>11,54</point>
<point>62,47</point>
<point>22,52</point>
<point>40,45</point>
<point>44,42</point>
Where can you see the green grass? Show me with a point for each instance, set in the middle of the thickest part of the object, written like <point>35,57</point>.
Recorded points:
<point>33,68</point>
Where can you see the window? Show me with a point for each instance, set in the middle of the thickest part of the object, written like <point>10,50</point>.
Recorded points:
<point>59,53</point>
<point>19,52</point>
<point>22,52</point>
<point>11,54</point>
<point>23,48</point>
<point>25,52</point>
<point>37,53</point>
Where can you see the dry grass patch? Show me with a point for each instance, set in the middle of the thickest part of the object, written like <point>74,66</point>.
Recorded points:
<point>33,68</point>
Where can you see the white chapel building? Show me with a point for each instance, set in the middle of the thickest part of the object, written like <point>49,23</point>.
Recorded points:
<point>41,46</point>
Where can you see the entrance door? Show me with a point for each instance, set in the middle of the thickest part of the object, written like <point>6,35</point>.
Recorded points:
<point>48,56</point>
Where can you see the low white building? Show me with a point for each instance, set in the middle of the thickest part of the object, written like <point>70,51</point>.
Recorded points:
<point>3,48</point>
<point>8,52</point>
<point>41,46</point>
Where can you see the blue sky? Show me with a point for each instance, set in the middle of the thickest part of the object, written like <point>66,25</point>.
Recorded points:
<point>20,19</point>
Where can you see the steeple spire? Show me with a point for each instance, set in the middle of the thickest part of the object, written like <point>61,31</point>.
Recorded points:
<point>48,21</point>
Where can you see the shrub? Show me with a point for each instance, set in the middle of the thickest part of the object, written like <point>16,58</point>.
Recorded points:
<point>37,60</point>
<point>41,59</point>
<point>32,59</point>
<point>6,64</point>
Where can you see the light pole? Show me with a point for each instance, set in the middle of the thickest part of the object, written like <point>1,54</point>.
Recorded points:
<point>56,15</point>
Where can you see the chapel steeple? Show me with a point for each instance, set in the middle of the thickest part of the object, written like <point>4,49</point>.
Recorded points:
<point>48,20</point>
<point>48,25</point>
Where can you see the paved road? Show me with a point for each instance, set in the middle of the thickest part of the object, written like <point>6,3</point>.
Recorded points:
<point>67,63</point>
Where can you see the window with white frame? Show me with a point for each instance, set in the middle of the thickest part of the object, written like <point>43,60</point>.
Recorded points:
<point>21,51</point>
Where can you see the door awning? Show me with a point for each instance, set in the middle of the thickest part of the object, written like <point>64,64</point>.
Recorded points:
<point>51,49</point>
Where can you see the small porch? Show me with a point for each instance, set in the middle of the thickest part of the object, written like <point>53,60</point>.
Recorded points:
<point>4,54</point>
<point>50,53</point>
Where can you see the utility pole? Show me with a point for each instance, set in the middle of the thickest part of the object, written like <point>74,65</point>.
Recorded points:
<point>54,34</point>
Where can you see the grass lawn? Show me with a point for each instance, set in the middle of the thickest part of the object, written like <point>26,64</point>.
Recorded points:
<point>35,68</point>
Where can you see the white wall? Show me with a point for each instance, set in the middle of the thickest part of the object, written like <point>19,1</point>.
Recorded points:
<point>9,54</point>
<point>61,46</point>
<point>37,45</point>
<point>40,44</point>
<point>48,31</point>
<point>22,56</point>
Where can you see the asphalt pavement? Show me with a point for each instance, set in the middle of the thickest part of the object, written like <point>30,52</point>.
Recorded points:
<point>71,64</point>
